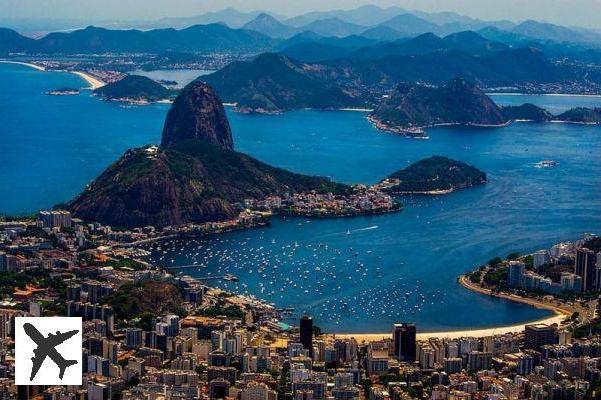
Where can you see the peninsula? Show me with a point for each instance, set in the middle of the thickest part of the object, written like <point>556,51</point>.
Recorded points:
<point>411,108</point>
<point>134,89</point>
<point>194,176</point>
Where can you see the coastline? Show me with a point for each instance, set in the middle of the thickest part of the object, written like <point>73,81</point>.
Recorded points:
<point>94,83</point>
<point>542,94</point>
<point>559,315</point>
<point>39,68</point>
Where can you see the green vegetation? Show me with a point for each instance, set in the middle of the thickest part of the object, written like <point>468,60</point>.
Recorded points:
<point>191,181</point>
<point>581,115</point>
<point>475,276</point>
<point>273,82</point>
<point>592,328</point>
<point>437,173</point>
<point>125,263</point>
<point>493,262</point>
<point>459,102</point>
<point>143,300</point>
<point>528,112</point>
<point>134,87</point>
<point>496,276</point>
<point>231,311</point>
<point>37,277</point>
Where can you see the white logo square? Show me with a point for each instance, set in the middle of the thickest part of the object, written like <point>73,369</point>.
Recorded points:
<point>48,351</point>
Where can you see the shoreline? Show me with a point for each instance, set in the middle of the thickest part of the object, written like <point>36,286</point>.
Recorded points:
<point>94,83</point>
<point>542,94</point>
<point>559,315</point>
<point>34,66</point>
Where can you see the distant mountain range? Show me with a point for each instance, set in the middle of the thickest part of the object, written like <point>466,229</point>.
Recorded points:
<point>322,49</point>
<point>197,38</point>
<point>232,30</point>
<point>360,76</point>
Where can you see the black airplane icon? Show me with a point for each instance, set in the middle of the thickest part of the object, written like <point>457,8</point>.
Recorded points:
<point>47,348</point>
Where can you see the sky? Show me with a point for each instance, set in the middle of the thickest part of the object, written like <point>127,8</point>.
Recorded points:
<point>584,13</point>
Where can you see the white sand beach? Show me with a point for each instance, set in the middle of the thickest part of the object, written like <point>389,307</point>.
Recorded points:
<point>94,83</point>
<point>39,68</point>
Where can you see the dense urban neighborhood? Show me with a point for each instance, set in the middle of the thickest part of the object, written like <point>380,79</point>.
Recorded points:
<point>149,333</point>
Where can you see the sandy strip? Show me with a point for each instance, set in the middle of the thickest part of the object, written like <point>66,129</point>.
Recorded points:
<point>560,315</point>
<point>372,337</point>
<point>544,94</point>
<point>24,63</point>
<point>94,83</point>
<point>356,109</point>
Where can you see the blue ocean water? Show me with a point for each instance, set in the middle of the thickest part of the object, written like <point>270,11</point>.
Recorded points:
<point>553,103</point>
<point>181,76</point>
<point>52,146</point>
<point>359,274</point>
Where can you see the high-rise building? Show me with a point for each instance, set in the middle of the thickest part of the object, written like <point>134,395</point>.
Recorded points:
<point>538,335</point>
<point>306,333</point>
<point>218,389</point>
<point>98,391</point>
<point>516,272</point>
<point>478,361</point>
<point>55,219</point>
<point>585,267</point>
<point>540,258</point>
<point>133,338</point>
<point>403,337</point>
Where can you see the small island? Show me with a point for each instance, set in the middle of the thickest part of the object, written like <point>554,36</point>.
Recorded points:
<point>581,115</point>
<point>409,109</point>
<point>434,175</point>
<point>526,112</point>
<point>63,92</point>
<point>134,89</point>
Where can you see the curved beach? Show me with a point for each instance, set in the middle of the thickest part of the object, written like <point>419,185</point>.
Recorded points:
<point>94,83</point>
<point>39,68</point>
<point>560,314</point>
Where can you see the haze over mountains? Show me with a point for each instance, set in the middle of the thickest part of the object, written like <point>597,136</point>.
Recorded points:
<point>232,30</point>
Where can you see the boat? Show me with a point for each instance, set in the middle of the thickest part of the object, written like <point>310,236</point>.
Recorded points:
<point>546,164</point>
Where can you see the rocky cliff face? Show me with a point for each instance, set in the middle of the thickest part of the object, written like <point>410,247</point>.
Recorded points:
<point>459,102</point>
<point>195,176</point>
<point>197,113</point>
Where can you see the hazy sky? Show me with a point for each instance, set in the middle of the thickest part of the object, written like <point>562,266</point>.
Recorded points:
<point>565,12</point>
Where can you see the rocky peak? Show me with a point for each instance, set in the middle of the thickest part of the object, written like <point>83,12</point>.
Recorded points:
<point>197,113</point>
